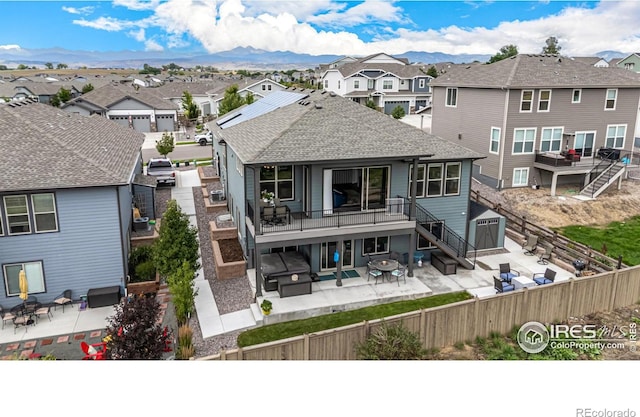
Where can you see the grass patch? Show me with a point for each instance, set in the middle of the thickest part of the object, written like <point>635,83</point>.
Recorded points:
<point>288,329</point>
<point>186,143</point>
<point>618,238</point>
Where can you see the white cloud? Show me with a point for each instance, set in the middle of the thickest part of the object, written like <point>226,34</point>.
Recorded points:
<point>362,13</point>
<point>137,4</point>
<point>138,35</point>
<point>151,45</point>
<point>78,10</point>
<point>9,47</point>
<point>109,24</point>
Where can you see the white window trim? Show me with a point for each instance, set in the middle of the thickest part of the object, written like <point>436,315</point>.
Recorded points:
<point>421,83</point>
<point>34,289</point>
<point>1,226</point>
<point>356,84</point>
<point>7,215</point>
<point>427,181</point>
<point>606,98</point>
<point>513,184</point>
<point>573,94</point>
<point>35,213</point>
<point>491,140</point>
<point>533,147</point>
<point>624,138</point>
<point>552,128</point>
<point>446,98</point>
<point>540,101</point>
<point>387,84</point>
<point>423,180</point>
<point>522,100</point>
<point>375,252</point>
<point>445,178</point>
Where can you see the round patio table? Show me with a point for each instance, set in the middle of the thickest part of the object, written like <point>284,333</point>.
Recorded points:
<point>386,266</point>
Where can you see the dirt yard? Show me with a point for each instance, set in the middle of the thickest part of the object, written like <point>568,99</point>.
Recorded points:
<point>563,210</point>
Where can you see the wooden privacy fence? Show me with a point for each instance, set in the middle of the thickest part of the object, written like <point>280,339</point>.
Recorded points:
<point>565,249</point>
<point>463,321</point>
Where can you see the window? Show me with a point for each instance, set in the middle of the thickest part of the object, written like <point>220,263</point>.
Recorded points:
<point>452,179</point>
<point>421,83</point>
<point>338,84</point>
<point>419,181</point>
<point>17,212</point>
<point>375,245</point>
<point>278,180</point>
<point>525,100</point>
<point>452,97</point>
<point>436,228</point>
<point>264,87</point>
<point>544,100</point>
<point>576,96</point>
<point>326,83</point>
<point>356,83</point>
<point>520,177</point>
<point>269,87</point>
<point>370,84</point>
<point>551,139</point>
<point>387,84</point>
<point>434,180</point>
<point>523,140</point>
<point>35,277</point>
<point>44,212</point>
<point>494,146</point>
<point>441,179</point>
<point>629,65</point>
<point>610,103</point>
<point>1,228</point>
<point>615,136</point>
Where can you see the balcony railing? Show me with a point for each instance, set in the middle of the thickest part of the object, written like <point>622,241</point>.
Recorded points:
<point>320,219</point>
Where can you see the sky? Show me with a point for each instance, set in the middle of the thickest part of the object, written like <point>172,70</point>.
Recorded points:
<point>319,27</point>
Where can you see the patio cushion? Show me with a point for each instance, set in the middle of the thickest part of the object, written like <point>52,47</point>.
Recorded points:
<point>542,280</point>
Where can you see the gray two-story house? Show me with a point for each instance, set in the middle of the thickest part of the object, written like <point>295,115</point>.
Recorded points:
<point>66,200</point>
<point>539,119</point>
<point>352,182</point>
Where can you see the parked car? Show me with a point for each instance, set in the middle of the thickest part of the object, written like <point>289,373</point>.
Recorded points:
<point>163,170</point>
<point>204,138</point>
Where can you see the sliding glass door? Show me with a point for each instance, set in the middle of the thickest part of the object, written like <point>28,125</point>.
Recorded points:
<point>327,251</point>
<point>357,189</point>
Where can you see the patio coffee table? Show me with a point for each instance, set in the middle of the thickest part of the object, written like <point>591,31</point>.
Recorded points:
<point>522,282</point>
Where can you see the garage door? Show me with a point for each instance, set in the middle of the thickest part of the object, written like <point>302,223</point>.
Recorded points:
<point>121,120</point>
<point>141,123</point>
<point>165,123</point>
<point>390,105</point>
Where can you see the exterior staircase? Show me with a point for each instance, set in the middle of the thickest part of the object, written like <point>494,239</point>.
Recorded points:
<point>602,176</point>
<point>445,239</point>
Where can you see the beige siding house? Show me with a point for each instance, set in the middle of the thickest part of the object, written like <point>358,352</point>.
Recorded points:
<point>530,114</point>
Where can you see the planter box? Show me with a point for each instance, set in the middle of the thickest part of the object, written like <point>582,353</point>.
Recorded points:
<point>225,233</point>
<point>144,287</point>
<point>205,179</point>
<point>229,269</point>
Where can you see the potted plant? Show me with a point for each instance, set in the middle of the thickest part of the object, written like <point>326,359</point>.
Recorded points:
<point>267,196</point>
<point>266,307</point>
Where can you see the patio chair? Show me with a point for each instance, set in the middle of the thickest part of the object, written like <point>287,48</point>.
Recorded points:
<point>44,310</point>
<point>506,273</point>
<point>501,286</point>
<point>373,272</point>
<point>399,273</point>
<point>546,255</point>
<point>530,245</point>
<point>547,278</point>
<point>281,215</point>
<point>6,316</point>
<point>63,299</point>
<point>267,215</point>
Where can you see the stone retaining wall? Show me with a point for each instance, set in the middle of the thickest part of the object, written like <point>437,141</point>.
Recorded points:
<point>229,269</point>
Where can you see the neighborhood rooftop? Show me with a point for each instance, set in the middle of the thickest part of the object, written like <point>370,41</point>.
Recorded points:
<point>326,127</point>
<point>537,71</point>
<point>46,148</point>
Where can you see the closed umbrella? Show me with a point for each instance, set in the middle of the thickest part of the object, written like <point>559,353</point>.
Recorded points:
<point>24,285</point>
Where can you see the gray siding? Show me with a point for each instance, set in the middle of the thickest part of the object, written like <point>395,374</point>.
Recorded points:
<point>129,104</point>
<point>236,190</point>
<point>416,85</point>
<point>85,253</point>
<point>125,199</point>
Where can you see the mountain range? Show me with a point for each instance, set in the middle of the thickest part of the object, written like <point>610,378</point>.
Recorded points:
<point>238,58</point>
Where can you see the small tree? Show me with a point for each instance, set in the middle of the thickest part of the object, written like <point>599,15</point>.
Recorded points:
<point>64,95</point>
<point>398,112</point>
<point>183,292</point>
<point>371,104</point>
<point>551,46</point>
<point>48,65</point>
<point>391,342</point>
<point>249,98</point>
<point>432,72</point>
<point>165,145</point>
<point>55,101</point>
<point>191,110</point>
<point>231,100</point>
<point>177,242</point>
<point>86,88</point>
<point>505,52</point>
<point>134,333</point>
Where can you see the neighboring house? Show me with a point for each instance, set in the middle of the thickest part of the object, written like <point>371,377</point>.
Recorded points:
<point>345,174</point>
<point>527,112</point>
<point>259,89</point>
<point>203,93</point>
<point>140,109</point>
<point>387,81</point>
<point>594,61</point>
<point>65,201</point>
<point>42,91</point>
<point>631,62</point>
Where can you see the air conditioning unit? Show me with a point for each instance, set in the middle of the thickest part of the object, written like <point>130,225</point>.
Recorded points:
<point>217,195</point>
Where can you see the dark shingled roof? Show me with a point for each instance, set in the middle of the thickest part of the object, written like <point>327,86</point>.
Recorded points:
<point>537,71</point>
<point>45,148</point>
<point>108,95</point>
<point>330,128</point>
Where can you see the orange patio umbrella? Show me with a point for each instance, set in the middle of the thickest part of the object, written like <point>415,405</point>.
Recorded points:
<point>24,285</point>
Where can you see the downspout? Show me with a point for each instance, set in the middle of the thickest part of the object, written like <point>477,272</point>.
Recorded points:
<point>503,135</point>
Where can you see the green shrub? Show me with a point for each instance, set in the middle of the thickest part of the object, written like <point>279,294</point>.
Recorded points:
<point>391,343</point>
<point>146,271</point>
<point>141,265</point>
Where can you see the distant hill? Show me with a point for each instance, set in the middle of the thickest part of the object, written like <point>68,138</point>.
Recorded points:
<point>238,58</point>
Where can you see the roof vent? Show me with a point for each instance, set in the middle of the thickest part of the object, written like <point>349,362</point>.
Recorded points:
<point>324,92</point>
<point>332,94</point>
<point>317,105</point>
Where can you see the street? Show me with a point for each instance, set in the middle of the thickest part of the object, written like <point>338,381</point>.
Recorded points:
<point>181,152</point>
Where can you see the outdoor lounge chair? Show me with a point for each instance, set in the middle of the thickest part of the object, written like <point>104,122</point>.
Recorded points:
<point>547,278</point>
<point>546,255</point>
<point>501,286</point>
<point>530,245</point>
<point>506,273</point>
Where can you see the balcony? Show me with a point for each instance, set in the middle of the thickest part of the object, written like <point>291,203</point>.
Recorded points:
<point>395,211</point>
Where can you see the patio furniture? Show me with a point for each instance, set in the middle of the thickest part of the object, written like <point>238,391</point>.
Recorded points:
<point>6,316</point>
<point>530,245</point>
<point>373,272</point>
<point>545,256</point>
<point>522,282</point>
<point>547,278</point>
<point>43,310</point>
<point>386,266</point>
<point>506,273</point>
<point>275,265</point>
<point>501,286</point>
<point>62,300</point>
<point>288,287</point>
<point>281,215</point>
<point>399,273</point>
<point>103,297</point>
<point>443,263</point>
<point>95,351</point>
<point>268,213</point>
